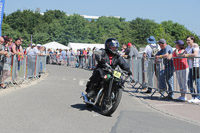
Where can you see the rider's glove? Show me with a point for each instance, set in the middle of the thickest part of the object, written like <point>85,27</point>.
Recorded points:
<point>117,54</point>
<point>129,73</point>
<point>103,61</point>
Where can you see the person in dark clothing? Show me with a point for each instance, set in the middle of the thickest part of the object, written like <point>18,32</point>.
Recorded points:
<point>110,56</point>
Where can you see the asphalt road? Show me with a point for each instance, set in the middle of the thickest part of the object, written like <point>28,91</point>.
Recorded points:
<point>54,106</point>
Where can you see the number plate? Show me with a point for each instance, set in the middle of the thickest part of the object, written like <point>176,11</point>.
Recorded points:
<point>117,74</point>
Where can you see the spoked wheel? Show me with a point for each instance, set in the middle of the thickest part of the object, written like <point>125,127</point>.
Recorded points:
<point>109,105</point>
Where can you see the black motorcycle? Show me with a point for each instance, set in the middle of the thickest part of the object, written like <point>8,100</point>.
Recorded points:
<point>110,92</point>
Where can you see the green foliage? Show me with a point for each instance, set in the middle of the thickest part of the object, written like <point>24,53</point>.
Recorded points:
<point>55,25</point>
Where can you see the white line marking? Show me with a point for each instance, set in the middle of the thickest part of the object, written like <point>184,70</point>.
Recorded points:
<point>82,82</point>
<point>168,105</point>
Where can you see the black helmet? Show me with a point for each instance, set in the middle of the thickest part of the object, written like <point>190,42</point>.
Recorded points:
<point>112,45</point>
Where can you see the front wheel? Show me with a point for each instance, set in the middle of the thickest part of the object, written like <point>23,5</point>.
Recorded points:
<point>109,105</point>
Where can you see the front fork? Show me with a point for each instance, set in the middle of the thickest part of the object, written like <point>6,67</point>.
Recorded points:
<point>110,87</point>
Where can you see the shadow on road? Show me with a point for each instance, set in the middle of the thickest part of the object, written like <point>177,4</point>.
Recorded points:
<point>83,107</point>
<point>146,96</point>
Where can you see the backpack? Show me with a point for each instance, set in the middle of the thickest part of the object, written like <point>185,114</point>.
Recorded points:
<point>154,50</point>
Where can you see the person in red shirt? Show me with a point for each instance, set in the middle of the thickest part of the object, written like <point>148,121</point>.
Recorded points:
<point>182,68</point>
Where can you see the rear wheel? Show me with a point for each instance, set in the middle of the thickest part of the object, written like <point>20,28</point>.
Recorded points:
<point>109,105</point>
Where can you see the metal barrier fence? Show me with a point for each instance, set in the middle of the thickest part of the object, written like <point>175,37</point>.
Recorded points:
<point>175,75</point>
<point>16,69</point>
<point>87,62</point>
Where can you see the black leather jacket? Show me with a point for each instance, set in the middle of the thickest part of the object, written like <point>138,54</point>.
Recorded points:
<point>116,60</point>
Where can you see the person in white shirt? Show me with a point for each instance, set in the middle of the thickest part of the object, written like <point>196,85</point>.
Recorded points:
<point>149,48</point>
<point>31,53</point>
<point>37,49</point>
<point>89,58</point>
<point>28,48</point>
<point>193,51</point>
<point>149,52</point>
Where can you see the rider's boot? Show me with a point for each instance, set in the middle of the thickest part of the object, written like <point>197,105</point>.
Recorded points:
<point>92,91</point>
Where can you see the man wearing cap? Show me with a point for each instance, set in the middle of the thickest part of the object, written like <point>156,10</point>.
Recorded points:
<point>182,68</point>
<point>133,50</point>
<point>147,54</point>
<point>37,49</point>
<point>151,44</point>
<point>165,73</point>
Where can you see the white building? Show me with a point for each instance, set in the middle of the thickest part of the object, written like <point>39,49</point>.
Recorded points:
<point>76,46</point>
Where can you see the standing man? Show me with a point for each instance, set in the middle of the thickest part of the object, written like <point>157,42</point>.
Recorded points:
<point>150,51</point>
<point>28,49</point>
<point>89,53</point>
<point>166,73</point>
<point>133,51</point>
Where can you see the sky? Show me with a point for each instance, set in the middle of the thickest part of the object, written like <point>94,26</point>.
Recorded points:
<point>185,12</point>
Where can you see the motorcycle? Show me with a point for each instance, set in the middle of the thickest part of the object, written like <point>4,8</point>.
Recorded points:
<point>110,92</point>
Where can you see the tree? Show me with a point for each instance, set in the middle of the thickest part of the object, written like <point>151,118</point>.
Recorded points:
<point>55,25</point>
<point>23,20</point>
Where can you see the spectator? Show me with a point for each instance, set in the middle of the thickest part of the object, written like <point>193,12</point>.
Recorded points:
<point>126,52</point>
<point>7,60</point>
<point>148,53</point>
<point>93,58</point>
<point>133,50</point>
<point>43,50</point>
<point>10,44</point>
<point>28,49</point>
<point>17,48</point>
<point>149,49</point>
<point>166,73</point>
<point>68,57</point>
<point>60,57</point>
<point>18,51</point>
<point>72,59</point>
<point>89,58</point>
<point>77,57</point>
<point>38,49</point>
<point>21,40</point>
<point>31,56</point>
<point>182,69</point>
<point>81,58</point>
<point>3,55</point>
<point>48,57</point>
<point>63,57</point>
<point>193,51</point>
<point>84,58</point>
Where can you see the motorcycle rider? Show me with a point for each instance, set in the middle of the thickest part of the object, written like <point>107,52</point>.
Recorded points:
<point>110,56</point>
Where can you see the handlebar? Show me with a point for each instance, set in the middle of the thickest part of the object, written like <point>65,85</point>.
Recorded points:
<point>110,69</point>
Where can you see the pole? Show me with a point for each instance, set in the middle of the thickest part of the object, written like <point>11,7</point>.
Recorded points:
<point>2,2</point>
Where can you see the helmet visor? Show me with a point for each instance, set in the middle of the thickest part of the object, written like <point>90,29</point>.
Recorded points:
<point>113,48</point>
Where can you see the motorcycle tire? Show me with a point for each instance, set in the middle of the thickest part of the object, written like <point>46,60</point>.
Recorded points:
<point>115,103</point>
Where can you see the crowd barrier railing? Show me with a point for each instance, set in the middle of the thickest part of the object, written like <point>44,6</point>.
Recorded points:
<point>161,75</point>
<point>16,69</point>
